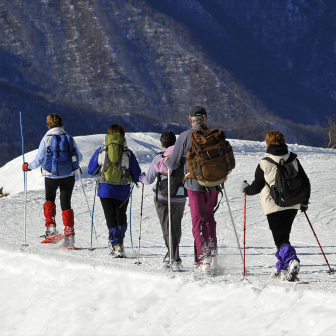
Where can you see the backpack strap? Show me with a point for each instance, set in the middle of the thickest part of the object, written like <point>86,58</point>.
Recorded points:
<point>227,160</point>
<point>271,161</point>
<point>106,159</point>
<point>69,148</point>
<point>291,158</point>
<point>158,180</point>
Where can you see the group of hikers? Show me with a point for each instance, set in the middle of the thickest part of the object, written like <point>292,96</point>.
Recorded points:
<point>195,165</point>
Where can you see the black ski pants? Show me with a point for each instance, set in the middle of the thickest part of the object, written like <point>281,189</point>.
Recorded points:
<point>114,211</point>
<point>177,210</point>
<point>280,223</point>
<point>66,186</point>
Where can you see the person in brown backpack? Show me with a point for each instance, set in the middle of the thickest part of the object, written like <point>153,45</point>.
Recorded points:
<point>202,148</point>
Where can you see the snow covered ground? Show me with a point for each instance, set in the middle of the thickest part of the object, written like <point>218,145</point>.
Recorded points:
<point>48,291</point>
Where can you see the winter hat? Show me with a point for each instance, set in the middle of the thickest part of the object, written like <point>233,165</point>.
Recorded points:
<point>198,111</point>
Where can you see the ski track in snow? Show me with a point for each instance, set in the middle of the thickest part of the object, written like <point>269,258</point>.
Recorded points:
<point>48,291</point>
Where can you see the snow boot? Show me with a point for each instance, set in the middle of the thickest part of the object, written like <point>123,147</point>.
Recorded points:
<point>204,266</point>
<point>110,246</point>
<point>280,275</point>
<point>69,242</point>
<point>293,270</point>
<point>214,266</point>
<point>119,251</point>
<point>69,231</point>
<point>175,265</point>
<point>51,231</point>
<point>49,209</point>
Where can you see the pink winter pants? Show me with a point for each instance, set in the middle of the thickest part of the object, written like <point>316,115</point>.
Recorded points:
<point>205,241</point>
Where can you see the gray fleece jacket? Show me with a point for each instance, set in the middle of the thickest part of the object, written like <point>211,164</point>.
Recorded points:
<point>183,143</point>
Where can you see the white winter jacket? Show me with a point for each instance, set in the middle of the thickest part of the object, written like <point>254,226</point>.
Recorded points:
<point>270,170</point>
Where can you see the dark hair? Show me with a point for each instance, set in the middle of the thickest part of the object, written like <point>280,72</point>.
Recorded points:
<point>117,128</point>
<point>168,139</point>
<point>275,138</point>
<point>54,120</point>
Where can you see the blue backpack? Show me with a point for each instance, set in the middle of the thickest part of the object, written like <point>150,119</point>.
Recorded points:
<point>61,158</point>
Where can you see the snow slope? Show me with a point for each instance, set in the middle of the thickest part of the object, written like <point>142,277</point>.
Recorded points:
<point>48,291</point>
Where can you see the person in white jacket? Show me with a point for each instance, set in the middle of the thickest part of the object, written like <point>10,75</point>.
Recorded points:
<point>280,219</point>
<point>59,173</point>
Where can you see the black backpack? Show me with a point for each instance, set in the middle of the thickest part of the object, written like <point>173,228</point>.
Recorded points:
<point>289,188</point>
<point>177,189</point>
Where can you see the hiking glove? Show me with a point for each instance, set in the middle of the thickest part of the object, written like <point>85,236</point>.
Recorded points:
<point>142,175</point>
<point>25,167</point>
<point>304,207</point>
<point>243,186</point>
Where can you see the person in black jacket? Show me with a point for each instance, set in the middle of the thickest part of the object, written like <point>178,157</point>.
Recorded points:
<point>280,219</point>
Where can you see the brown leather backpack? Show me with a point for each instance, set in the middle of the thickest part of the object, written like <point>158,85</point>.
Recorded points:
<point>210,158</point>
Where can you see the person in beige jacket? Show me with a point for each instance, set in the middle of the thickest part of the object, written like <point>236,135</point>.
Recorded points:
<point>280,219</point>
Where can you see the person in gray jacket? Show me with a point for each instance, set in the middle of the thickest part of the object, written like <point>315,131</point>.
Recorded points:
<point>205,244</point>
<point>158,171</point>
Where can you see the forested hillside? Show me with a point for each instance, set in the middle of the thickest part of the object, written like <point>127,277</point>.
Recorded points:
<point>150,61</point>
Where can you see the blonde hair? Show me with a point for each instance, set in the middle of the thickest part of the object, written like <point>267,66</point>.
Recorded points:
<point>275,138</point>
<point>54,120</point>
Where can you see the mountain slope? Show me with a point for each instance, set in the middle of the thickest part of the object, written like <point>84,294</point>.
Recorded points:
<point>154,59</point>
<point>282,51</point>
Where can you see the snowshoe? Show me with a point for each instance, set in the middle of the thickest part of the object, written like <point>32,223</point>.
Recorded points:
<point>51,236</point>
<point>53,239</point>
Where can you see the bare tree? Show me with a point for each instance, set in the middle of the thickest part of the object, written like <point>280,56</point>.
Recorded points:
<point>331,129</point>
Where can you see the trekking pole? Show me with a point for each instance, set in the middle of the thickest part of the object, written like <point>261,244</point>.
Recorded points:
<point>331,270</point>
<point>81,182</point>
<point>131,217</point>
<point>244,230</point>
<point>169,221</point>
<point>93,206</point>
<point>25,189</point>
<point>142,192</point>
<point>234,227</point>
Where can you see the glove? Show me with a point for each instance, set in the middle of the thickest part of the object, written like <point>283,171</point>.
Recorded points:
<point>142,175</point>
<point>243,186</point>
<point>25,167</point>
<point>304,207</point>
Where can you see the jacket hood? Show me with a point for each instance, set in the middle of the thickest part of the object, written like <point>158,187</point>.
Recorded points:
<point>169,150</point>
<point>56,131</point>
<point>277,150</point>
